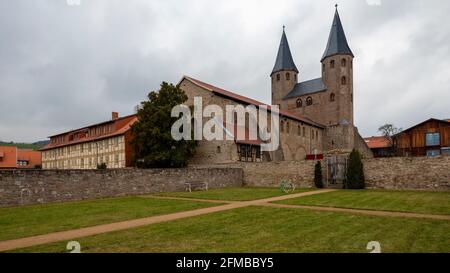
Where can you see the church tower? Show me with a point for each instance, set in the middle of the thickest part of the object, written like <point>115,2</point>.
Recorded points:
<point>284,74</point>
<point>337,74</point>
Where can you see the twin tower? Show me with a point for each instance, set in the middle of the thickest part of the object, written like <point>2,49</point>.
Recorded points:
<point>327,100</point>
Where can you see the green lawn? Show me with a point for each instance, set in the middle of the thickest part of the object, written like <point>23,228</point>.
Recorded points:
<point>233,194</point>
<point>40,219</point>
<point>408,201</point>
<point>265,229</point>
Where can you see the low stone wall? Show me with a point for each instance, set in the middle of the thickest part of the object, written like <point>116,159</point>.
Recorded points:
<point>25,187</point>
<point>270,174</point>
<point>419,173</point>
<point>408,173</point>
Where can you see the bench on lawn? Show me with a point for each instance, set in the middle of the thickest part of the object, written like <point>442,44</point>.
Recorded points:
<point>190,186</point>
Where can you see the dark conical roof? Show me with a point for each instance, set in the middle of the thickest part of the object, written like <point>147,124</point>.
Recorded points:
<point>284,57</point>
<point>337,42</point>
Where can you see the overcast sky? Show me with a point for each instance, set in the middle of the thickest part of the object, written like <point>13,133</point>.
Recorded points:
<point>63,66</point>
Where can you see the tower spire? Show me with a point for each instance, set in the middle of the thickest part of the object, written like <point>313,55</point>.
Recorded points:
<point>337,42</point>
<point>284,61</point>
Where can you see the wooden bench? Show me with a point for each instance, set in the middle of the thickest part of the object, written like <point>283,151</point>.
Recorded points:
<point>189,186</point>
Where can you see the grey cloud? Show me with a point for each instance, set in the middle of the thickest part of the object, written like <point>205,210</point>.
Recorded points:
<point>62,67</point>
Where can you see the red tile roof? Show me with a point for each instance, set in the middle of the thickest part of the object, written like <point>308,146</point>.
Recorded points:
<point>247,100</point>
<point>120,125</point>
<point>33,157</point>
<point>377,142</point>
<point>8,157</point>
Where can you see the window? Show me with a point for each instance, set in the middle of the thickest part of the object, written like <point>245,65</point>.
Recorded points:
<point>344,80</point>
<point>287,127</point>
<point>218,149</point>
<point>288,76</point>
<point>433,139</point>
<point>299,103</point>
<point>278,77</point>
<point>309,101</point>
<point>332,63</point>
<point>304,131</point>
<point>343,62</point>
<point>433,153</point>
<point>116,159</point>
<point>332,97</point>
<point>299,130</point>
<point>312,134</point>
<point>446,151</point>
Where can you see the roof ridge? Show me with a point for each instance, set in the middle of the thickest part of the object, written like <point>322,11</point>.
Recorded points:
<point>248,100</point>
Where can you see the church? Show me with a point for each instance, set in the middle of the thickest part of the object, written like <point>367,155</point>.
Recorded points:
<point>316,116</point>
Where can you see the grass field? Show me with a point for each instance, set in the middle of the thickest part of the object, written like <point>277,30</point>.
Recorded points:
<point>405,201</point>
<point>264,229</point>
<point>247,229</point>
<point>233,194</point>
<point>40,219</point>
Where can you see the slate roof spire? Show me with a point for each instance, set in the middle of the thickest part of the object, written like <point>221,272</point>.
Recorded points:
<point>284,61</point>
<point>337,42</point>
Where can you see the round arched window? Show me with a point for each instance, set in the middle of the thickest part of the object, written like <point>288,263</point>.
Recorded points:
<point>309,101</point>
<point>299,103</point>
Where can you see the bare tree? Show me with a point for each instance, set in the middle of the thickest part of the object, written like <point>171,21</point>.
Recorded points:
<point>388,131</point>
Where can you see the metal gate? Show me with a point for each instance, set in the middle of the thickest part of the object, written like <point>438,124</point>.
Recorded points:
<point>336,170</point>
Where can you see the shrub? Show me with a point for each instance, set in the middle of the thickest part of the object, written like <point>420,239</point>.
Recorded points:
<point>355,172</point>
<point>318,180</point>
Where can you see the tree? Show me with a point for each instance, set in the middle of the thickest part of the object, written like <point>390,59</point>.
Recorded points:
<point>355,172</point>
<point>318,180</point>
<point>152,141</point>
<point>388,131</point>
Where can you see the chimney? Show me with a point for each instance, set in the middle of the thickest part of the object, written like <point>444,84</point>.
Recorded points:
<point>114,115</point>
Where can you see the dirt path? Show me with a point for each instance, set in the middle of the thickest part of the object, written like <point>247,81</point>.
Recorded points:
<point>89,231</point>
<point>362,211</point>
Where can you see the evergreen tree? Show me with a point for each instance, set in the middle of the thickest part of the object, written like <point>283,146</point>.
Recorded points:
<point>355,172</point>
<point>318,180</point>
<point>152,141</point>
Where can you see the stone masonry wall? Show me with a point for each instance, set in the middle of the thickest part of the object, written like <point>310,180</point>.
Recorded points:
<point>25,187</point>
<point>419,173</point>
<point>408,173</point>
<point>270,174</point>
